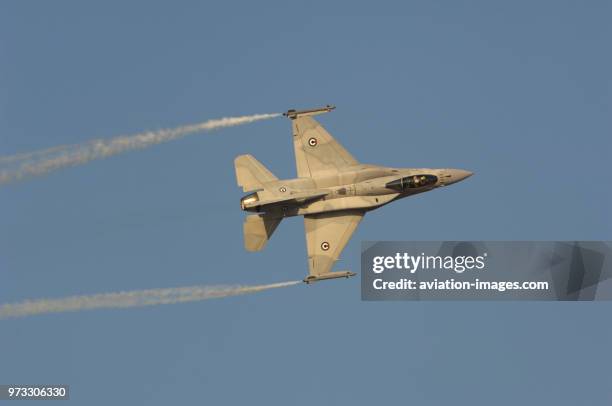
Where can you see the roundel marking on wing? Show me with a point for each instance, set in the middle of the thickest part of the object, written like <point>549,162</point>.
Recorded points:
<point>312,142</point>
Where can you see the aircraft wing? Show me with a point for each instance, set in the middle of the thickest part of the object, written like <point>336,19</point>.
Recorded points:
<point>326,237</point>
<point>317,153</point>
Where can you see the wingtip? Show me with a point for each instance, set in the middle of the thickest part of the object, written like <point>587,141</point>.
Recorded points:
<point>293,113</point>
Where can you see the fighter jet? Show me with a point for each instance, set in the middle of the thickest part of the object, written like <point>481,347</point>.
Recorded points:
<point>332,191</point>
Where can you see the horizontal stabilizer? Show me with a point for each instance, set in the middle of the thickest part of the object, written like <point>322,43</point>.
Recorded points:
<point>257,231</point>
<point>251,174</point>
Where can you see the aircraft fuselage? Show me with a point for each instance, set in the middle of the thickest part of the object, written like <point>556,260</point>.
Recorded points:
<point>362,187</point>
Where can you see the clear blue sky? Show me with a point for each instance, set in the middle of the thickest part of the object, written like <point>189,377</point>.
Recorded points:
<point>518,92</point>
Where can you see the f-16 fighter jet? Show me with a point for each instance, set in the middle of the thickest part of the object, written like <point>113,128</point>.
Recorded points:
<point>332,191</point>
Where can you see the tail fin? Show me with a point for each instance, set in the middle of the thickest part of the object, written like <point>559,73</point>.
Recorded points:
<point>258,229</point>
<point>250,173</point>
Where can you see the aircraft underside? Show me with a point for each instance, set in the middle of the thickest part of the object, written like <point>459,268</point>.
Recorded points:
<point>333,191</point>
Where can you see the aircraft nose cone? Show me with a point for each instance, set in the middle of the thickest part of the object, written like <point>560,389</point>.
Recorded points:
<point>457,175</point>
<point>461,174</point>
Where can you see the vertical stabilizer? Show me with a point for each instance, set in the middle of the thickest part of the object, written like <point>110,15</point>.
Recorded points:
<point>258,229</point>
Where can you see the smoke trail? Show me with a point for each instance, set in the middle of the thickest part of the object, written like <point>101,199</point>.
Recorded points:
<point>134,298</point>
<point>38,163</point>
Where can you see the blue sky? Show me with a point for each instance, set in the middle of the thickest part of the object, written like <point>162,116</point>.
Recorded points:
<point>518,92</point>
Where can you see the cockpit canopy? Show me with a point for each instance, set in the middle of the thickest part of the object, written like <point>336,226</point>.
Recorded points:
<point>412,182</point>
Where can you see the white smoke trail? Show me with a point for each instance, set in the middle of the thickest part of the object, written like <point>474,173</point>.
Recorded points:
<point>134,298</point>
<point>38,163</point>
